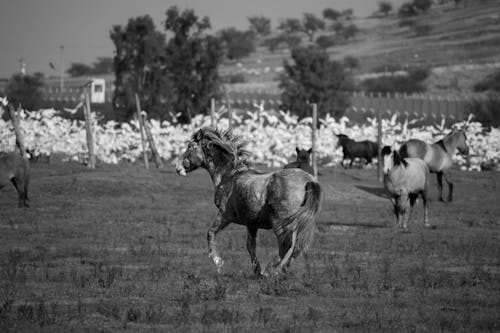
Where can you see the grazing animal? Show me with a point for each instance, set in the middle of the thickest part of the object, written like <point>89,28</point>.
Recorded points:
<point>363,149</point>
<point>303,161</point>
<point>15,169</point>
<point>405,179</point>
<point>438,156</point>
<point>286,201</point>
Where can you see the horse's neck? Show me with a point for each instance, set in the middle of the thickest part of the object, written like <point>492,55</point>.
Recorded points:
<point>219,173</point>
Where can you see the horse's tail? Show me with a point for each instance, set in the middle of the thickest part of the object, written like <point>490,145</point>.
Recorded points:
<point>303,221</point>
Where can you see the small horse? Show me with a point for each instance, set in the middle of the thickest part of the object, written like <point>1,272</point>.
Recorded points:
<point>438,156</point>
<point>15,169</point>
<point>363,149</point>
<point>405,180</point>
<point>303,161</point>
<point>286,201</point>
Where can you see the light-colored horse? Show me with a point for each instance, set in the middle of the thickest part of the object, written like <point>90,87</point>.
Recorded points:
<point>438,156</point>
<point>286,201</point>
<point>405,180</point>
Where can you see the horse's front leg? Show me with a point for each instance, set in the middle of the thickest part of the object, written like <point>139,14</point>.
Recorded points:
<point>251,247</point>
<point>439,176</point>
<point>219,224</point>
<point>447,178</point>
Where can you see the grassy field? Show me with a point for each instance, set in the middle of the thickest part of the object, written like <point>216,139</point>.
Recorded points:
<point>123,249</point>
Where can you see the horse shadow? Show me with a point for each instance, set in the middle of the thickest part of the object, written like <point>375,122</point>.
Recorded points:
<point>377,191</point>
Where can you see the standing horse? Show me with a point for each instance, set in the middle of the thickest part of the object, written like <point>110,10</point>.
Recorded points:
<point>286,201</point>
<point>15,169</point>
<point>303,161</point>
<point>405,180</point>
<point>438,156</point>
<point>351,149</point>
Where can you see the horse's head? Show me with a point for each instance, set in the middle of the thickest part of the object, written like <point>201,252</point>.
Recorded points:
<point>462,143</point>
<point>303,156</point>
<point>211,149</point>
<point>192,159</point>
<point>342,138</point>
<point>387,158</point>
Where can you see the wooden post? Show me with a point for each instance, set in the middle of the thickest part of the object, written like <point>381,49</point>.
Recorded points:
<point>151,141</point>
<point>313,138</point>
<point>143,143</point>
<point>212,112</point>
<point>379,140</point>
<point>89,130</point>
<point>17,130</point>
<point>229,111</point>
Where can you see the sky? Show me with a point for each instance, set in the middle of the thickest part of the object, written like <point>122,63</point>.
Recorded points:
<point>35,30</point>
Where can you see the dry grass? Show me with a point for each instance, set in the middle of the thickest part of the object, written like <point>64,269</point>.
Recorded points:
<point>123,249</point>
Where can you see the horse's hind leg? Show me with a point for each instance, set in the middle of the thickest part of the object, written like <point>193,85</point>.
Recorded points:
<point>439,176</point>
<point>286,257</point>
<point>447,177</point>
<point>251,245</point>
<point>423,194</point>
<point>19,185</point>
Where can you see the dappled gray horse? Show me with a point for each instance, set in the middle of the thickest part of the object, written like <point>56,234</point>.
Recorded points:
<point>286,201</point>
<point>15,169</point>
<point>438,156</point>
<point>405,180</point>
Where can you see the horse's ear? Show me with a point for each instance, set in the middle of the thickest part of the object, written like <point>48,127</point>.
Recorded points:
<point>310,151</point>
<point>297,150</point>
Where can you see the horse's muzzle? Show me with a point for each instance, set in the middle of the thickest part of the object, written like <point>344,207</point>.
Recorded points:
<point>179,167</point>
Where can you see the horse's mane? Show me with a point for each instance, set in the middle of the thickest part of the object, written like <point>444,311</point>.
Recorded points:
<point>228,142</point>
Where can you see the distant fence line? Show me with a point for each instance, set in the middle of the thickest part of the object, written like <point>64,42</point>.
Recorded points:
<point>362,105</point>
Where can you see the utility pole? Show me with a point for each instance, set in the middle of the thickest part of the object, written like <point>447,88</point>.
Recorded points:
<point>62,68</point>
<point>22,66</point>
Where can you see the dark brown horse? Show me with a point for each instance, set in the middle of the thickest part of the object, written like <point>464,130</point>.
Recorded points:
<point>438,156</point>
<point>303,161</point>
<point>15,169</point>
<point>362,149</point>
<point>286,201</point>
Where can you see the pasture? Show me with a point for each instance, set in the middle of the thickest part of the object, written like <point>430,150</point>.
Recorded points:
<point>120,248</point>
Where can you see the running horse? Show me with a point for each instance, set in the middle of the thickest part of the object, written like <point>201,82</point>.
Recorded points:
<point>438,156</point>
<point>15,169</point>
<point>286,201</point>
<point>351,149</point>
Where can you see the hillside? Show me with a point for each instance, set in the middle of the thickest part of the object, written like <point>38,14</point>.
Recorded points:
<point>464,35</point>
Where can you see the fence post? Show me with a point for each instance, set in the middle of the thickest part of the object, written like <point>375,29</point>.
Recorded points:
<point>151,141</point>
<point>229,111</point>
<point>143,144</point>
<point>89,129</point>
<point>212,112</point>
<point>313,138</point>
<point>379,139</point>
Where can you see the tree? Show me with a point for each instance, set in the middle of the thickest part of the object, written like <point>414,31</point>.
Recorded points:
<point>26,90</point>
<point>238,44</point>
<point>325,41</point>
<point>347,14</point>
<point>103,65</point>
<point>139,68</point>
<point>331,14</point>
<point>422,5</point>
<point>311,24</point>
<point>385,7</point>
<point>192,58</point>
<point>260,25</point>
<point>314,78</point>
<point>407,10</point>
<point>350,31</point>
<point>350,62</point>
<point>79,69</point>
<point>290,26</point>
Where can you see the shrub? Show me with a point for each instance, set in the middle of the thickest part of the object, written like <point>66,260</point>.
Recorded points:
<point>26,90</point>
<point>325,41</point>
<point>351,62</point>
<point>487,112</point>
<point>489,83</point>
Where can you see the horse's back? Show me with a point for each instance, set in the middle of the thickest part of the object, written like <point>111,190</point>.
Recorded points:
<point>410,178</point>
